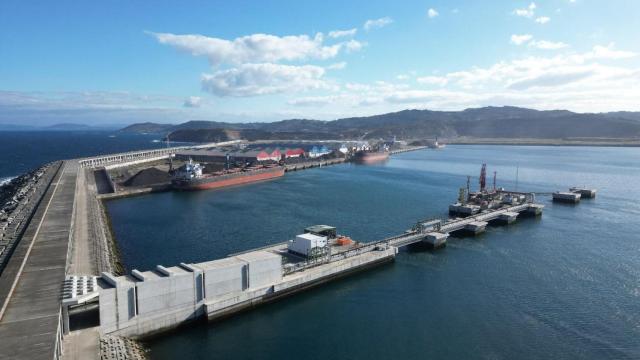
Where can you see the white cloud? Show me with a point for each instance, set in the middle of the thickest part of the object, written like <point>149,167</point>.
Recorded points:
<point>254,48</point>
<point>520,39</point>
<point>342,33</point>
<point>353,45</point>
<point>402,77</point>
<point>552,78</point>
<point>547,45</point>
<point>377,23</point>
<point>192,102</point>
<point>250,65</point>
<point>337,66</point>
<point>609,52</point>
<point>432,13</point>
<point>575,81</point>
<point>528,12</point>
<point>264,79</point>
<point>543,19</point>
<point>433,80</point>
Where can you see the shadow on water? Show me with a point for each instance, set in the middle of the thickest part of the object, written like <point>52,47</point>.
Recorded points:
<point>278,306</point>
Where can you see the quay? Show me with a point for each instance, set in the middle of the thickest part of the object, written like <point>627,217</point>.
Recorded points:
<point>407,149</point>
<point>144,303</point>
<point>208,154</point>
<point>313,164</point>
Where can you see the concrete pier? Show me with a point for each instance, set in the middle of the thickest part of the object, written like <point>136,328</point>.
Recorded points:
<point>475,228</point>
<point>507,217</point>
<point>407,149</point>
<point>566,197</point>
<point>534,210</point>
<point>145,303</point>
<point>584,193</point>
<point>435,239</point>
<point>313,164</point>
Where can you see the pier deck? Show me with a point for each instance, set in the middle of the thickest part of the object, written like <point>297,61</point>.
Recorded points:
<point>30,316</point>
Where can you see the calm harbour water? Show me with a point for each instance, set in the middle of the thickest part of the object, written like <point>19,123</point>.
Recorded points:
<point>565,286</point>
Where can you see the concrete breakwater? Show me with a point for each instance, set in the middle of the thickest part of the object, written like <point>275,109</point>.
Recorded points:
<point>18,201</point>
<point>31,279</point>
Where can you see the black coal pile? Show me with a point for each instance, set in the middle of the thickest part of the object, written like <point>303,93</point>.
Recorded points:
<point>148,177</point>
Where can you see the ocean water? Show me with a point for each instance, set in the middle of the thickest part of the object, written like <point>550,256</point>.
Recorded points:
<point>563,286</point>
<point>21,151</point>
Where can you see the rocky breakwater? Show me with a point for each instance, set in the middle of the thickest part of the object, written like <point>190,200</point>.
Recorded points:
<point>19,198</point>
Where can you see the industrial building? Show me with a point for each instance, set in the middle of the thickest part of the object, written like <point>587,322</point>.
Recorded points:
<point>319,151</point>
<point>308,245</point>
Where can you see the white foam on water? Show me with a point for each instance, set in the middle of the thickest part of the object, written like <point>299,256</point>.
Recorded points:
<point>6,180</point>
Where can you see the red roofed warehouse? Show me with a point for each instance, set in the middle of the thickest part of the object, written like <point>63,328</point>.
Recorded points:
<point>263,156</point>
<point>293,153</point>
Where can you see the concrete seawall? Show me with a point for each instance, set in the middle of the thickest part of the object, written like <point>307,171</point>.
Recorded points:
<point>146,303</point>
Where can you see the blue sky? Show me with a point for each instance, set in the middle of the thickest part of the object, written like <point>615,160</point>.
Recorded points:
<point>128,61</point>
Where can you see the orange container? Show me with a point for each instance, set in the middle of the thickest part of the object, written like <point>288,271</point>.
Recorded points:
<point>342,241</point>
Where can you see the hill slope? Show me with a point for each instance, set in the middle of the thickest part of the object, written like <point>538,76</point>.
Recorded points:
<point>487,122</point>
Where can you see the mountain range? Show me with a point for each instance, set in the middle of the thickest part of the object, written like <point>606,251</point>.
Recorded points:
<point>487,122</point>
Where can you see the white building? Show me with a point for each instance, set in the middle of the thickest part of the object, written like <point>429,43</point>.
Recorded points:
<point>308,245</point>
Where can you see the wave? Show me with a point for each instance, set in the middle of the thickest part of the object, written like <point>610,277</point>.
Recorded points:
<point>6,180</point>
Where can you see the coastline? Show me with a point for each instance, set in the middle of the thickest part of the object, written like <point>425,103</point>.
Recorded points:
<point>545,142</point>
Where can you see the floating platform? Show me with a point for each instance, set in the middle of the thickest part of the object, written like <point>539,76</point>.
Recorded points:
<point>584,193</point>
<point>566,197</point>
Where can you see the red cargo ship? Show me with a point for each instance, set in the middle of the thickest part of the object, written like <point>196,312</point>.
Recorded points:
<point>368,157</point>
<point>190,176</point>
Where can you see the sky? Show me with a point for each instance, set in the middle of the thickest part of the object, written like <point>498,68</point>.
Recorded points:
<point>119,62</point>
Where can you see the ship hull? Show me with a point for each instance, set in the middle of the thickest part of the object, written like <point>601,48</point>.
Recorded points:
<point>216,182</point>
<point>369,158</point>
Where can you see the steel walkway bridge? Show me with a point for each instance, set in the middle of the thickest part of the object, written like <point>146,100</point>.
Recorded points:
<point>435,228</point>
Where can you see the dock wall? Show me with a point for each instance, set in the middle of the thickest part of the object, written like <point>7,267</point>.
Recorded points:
<point>146,303</point>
